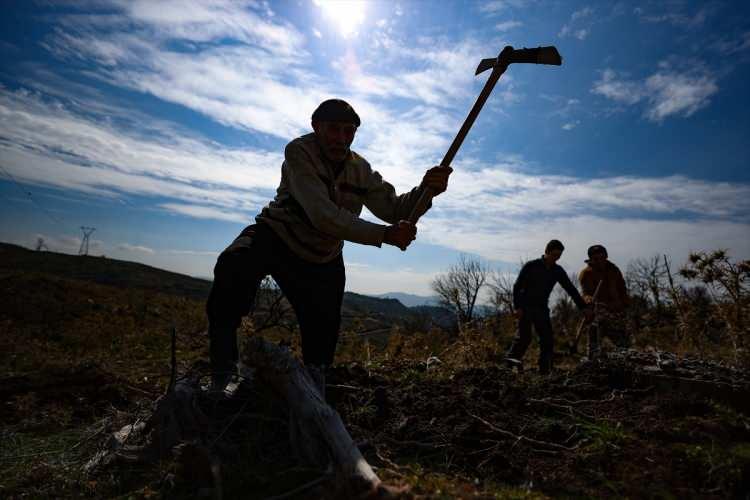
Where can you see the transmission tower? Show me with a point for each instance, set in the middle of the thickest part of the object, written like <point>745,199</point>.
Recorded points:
<point>41,245</point>
<point>84,250</point>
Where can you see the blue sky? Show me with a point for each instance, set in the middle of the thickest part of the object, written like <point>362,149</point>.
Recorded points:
<point>162,124</point>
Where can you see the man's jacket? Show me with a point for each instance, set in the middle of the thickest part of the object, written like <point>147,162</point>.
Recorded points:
<point>315,210</point>
<point>535,283</point>
<point>613,292</point>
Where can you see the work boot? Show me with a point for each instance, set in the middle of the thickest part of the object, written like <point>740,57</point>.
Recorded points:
<point>221,379</point>
<point>512,363</point>
<point>223,352</point>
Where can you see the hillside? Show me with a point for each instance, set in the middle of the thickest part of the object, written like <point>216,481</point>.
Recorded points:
<point>101,270</point>
<point>136,276</point>
<point>410,299</point>
<point>433,411</point>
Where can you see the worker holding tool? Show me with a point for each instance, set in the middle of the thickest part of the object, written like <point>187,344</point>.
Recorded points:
<point>298,238</point>
<point>610,300</point>
<point>299,235</point>
<point>531,293</point>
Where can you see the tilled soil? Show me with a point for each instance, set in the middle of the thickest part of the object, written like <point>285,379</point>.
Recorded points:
<point>587,432</point>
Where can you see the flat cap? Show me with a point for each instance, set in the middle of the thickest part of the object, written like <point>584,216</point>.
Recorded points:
<point>335,110</point>
<point>595,249</point>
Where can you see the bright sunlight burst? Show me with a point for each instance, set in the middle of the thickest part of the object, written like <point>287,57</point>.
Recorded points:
<point>347,15</point>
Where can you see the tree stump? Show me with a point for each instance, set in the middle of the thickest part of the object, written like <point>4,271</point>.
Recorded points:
<point>321,437</point>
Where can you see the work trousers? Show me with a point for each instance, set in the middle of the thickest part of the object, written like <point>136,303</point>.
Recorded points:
<point>539,318</point>
<point>315,291</point>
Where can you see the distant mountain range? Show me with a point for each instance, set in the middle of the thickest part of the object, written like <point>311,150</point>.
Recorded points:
<point>411,300</point>
<point>394,308</point>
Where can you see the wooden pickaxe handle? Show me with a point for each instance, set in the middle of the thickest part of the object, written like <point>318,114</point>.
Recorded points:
<point>424,200</point>
<point>541,55</point>
<point>579,330</point>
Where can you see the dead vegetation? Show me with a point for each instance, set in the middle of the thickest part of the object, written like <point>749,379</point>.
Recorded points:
<point>435,413</point>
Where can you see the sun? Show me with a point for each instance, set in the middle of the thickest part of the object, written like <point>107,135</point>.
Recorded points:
<point>347,15</point>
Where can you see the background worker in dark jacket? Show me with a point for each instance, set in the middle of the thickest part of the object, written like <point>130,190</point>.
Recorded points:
<point>611,301</point>
<point>299,235</point>
<point>531,300</point>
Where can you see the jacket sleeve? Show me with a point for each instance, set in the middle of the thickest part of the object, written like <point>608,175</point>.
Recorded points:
<point>519,286</point>
<point>586,279</point>
<point>570,288</point>
<point>622,289</point>
<point>386,205</point>
<point>306,186</point>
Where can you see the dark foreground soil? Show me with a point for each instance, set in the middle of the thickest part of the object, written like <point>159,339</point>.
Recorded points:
<point>438,414</point>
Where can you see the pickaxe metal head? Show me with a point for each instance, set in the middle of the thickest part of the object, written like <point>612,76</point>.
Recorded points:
<point>509,55</point>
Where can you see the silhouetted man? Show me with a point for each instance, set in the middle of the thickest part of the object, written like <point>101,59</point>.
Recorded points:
<point>531,301</point>
<point>298,238</point>
<point>611,300</point>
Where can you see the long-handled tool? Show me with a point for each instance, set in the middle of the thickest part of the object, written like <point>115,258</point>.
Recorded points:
<point>579,331</point>
<point>508,56</point>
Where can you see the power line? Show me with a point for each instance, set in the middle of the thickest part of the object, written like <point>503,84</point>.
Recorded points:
<point>28,194</point>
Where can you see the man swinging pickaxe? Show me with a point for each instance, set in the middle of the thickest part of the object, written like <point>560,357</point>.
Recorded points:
<point>508,56</point>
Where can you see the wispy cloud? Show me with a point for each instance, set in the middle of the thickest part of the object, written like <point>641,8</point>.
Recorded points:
<point>508,25</point>
<point>127,247</point>
<point>91,154</point>
<point>207,212</point>
<point>667,92</point>
<point>508,239</point>
<point>579,24</point>
<point>494,7</point>
<point>676,15</point>
<point>732,45</point>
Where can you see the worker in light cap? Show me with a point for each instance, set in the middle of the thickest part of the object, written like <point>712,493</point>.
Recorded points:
<point>298,238</point>
<point>610,302</point>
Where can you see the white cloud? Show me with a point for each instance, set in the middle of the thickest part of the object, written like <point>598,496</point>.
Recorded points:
<point>667,92</point>
<point>678,94</point>
<point>45,142</point>
<point>374,280</point>
<point>581,13</point>
<point>59,243</point>
<point>732,45</point>
<point>625,91</point>
<point>571,125</point>
<point>579,24</point>
<point>677,16</point>
<point>495,6</point>
<point>508,25</point>
<point>128,248</point>
<point>509,240</point>
<point>207,212</point>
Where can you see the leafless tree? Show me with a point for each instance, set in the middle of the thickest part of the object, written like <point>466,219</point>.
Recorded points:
<point>501,292</point>
<point>647,277</point>
<point>271,308</point>
<point>459,288</point>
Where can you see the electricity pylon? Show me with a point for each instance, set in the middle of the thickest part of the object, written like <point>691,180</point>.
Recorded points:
<point>84,250</point>
<point>41,245</point>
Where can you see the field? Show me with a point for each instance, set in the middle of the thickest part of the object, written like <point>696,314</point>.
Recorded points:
<point>86,352</point>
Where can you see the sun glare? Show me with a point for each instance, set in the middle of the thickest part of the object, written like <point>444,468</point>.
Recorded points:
<point>347,15</point>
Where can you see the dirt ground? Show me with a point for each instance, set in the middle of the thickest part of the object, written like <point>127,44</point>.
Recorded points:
<point>438,414</point>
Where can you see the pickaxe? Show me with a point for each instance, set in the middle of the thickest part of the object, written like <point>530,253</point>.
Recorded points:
<point>508,56</point>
